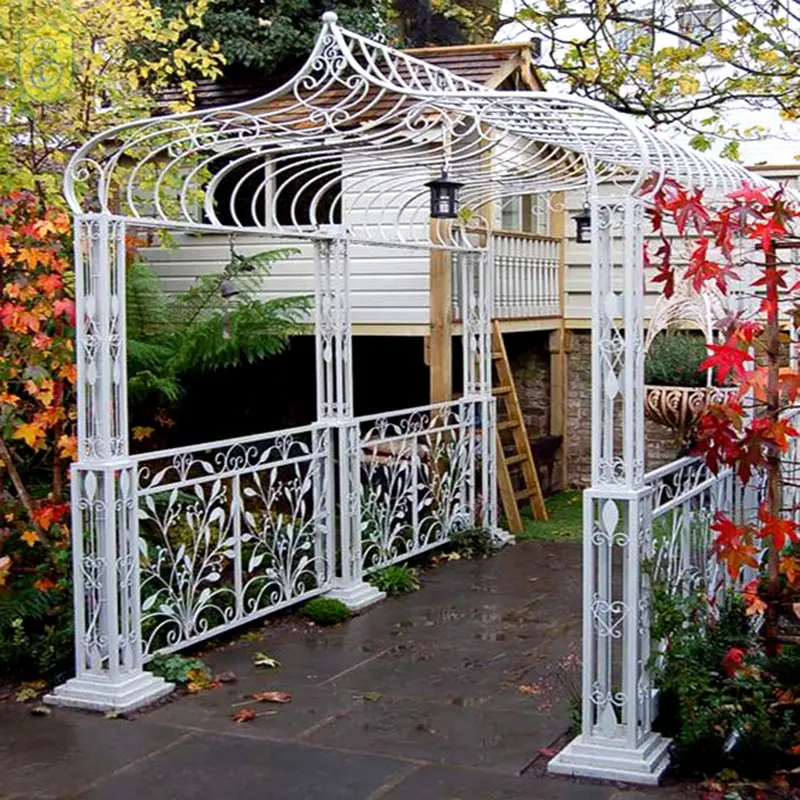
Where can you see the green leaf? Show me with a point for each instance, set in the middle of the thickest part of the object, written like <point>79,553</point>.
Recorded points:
<point>263,660</point>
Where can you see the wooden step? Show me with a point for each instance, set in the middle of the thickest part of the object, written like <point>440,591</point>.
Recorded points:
<point>508,425</point>
<point>518,454</point>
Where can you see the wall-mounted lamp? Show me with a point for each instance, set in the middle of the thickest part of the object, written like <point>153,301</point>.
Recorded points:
<point>583,225</point>
<point>228,289</point>
<point>444,197</point>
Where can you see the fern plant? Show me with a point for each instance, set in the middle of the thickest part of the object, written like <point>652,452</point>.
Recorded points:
<point>172,335</point>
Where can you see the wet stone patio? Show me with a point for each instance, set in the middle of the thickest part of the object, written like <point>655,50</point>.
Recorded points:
<point>416,698</point>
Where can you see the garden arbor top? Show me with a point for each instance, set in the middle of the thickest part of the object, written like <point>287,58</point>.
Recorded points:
<point>342,153</point>
<point>347,129</point>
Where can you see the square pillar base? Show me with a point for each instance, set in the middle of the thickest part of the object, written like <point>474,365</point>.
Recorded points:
<point>613,761</point>
<point>357,596</point>
<point>97,693</point>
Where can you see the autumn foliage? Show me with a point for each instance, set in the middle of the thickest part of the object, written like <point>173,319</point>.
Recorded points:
<point>750,433</point>
<point>37,377</point>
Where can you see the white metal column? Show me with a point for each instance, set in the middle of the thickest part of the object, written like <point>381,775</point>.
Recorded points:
<point>108,652</point>
<point>334,359</point>
<point>477,301</point>
<point>616,740</point>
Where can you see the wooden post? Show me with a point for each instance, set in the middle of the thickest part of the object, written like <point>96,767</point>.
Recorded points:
<point>441,323</point>
<point>560,344</point>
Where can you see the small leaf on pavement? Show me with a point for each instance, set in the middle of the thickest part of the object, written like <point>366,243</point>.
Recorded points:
<point>29,690</point>
<point>272,697</point>
<point>243,715</point>
<point>263,660</point>
<point>548,752</point>
<point>199,680</point>
<point>41,710</point>
<point>372,697</point>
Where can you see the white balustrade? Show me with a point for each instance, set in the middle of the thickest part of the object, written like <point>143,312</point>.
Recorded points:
<point>526,276</point>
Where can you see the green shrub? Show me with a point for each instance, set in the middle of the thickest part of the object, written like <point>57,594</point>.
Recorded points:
<point>674,359</point>
<point>37,648</point>
<point>326,611</point>
<point>717,693</point>
<point>176,668</point>
<point>473,543</point>
<point>395,579</point>
<point>36,621</point>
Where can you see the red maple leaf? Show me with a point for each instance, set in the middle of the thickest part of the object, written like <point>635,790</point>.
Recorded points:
<point>749,195</point>
<point>65,307</point>
<point>729,534</point>
<point>778,529</point>
<point>789,382</point>
<point>726,359</point>
<point>767,232</point>
<point>689,210</point>
<point>732,544</point>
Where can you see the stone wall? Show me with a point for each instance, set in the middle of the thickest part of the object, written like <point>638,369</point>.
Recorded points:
<point>529,358</point>
<point>660,449</point>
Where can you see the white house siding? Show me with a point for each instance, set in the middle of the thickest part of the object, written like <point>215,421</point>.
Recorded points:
<point>389,284</point>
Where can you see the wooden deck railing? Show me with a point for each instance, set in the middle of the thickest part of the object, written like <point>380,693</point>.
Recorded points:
<point>527,267</point>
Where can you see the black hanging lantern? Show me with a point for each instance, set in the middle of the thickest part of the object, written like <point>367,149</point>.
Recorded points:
<point>444,197</point>
<point>583,226</point>
<point>228,289</point>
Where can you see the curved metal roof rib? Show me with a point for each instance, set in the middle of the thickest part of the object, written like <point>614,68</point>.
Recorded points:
<point>350,142</point>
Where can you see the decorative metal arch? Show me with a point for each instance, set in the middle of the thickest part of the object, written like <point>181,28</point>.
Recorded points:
<point>359,130</point>
<point>341,154</point>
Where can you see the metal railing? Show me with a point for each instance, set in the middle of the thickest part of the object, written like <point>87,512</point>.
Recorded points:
<point>686,498</point>
<point>419,478</point>
<point>230,531</point>
<point>527,271</point>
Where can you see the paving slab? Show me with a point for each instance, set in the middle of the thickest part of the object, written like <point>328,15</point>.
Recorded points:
<point>308,657</point>
<point>221,767</point>
<point>210,711</point>
<point>61,754</point>
<point>501,741</point>
<point>418,697</point>
<point>448,783</point>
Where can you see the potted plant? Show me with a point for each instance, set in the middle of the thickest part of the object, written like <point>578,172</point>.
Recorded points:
<point>677,391</point>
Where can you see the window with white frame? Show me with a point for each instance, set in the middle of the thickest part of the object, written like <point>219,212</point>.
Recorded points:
<point>700,20</point>
<point>529,214</point>
<point>626,32</point>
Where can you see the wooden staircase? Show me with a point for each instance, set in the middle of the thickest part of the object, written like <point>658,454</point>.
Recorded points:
<point>516,471</point>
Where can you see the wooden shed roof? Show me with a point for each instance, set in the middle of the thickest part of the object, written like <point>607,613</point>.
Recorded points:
<point>496,66</point>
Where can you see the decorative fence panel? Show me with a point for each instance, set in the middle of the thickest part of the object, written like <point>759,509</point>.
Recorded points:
<point>420,478</point>
<point>678,558</point>
<point>686,497</point>
<point>526,276</point>
<point>230,531</point>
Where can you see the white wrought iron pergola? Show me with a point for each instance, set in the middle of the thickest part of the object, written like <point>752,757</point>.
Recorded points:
<point>176,546</point>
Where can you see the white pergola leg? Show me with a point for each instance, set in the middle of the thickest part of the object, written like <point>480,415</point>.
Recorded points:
<point>108,652</point>
<point>334,359</point>
<point>476,282</point>
<point>616,740</point>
